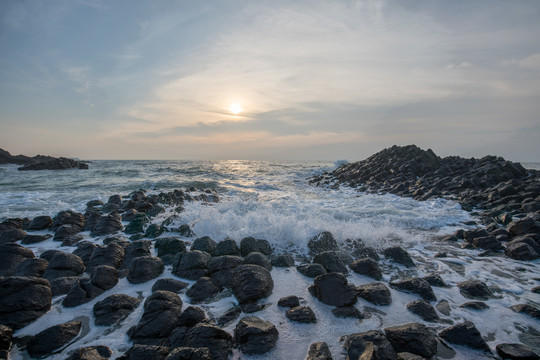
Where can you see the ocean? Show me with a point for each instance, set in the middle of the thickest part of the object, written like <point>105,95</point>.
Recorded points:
<point>274,201</point>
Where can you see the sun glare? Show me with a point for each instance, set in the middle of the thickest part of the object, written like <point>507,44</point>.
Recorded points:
<point>235,109</point>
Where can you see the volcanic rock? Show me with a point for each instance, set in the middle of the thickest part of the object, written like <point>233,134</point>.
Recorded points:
<point>311,270</point>
<point>205,244</point>
<point>333,289</point>
<point>423,309</point>
<point>416,286</point>
<point>323,242</point>
<point>171,285</point>
<point>191,265</point>
<point>289,301</point>
<point>249,244</point>
<point>202,290</point>
<point>255,336</point>
<point>227,247</point>
<point>218,341</point>
<point>40,223</point>
<point>283,260</point>
<point>302,314</point>
<point>105,277</point>
<point>145,268</point>
<point>331,261</point>
<point>251,283</point>
<point>414,338</point>
<point>107,224</point>
<point>376,293</point>
<point>64,264</point>
<point>114,308</point>
<point>257,258</point>
<point>368,267</point>
<point>399,256</point>
<point>81,292</point>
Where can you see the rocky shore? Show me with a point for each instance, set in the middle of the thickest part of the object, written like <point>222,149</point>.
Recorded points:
<point>40,162</point>
<point>88,260</point>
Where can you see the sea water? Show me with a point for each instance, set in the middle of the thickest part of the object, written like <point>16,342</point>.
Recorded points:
<point>274,201</point>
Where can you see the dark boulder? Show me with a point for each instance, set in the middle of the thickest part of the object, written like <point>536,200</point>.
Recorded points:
<point>204,289</point>
<point>474,289</point>
<point>205,244</point>
<point>521,251</point>
<point>31,267</point>
<point>189,353</point>
<point>376,293</point>
<point>55,164</point>
<point>161,312</point>
<point>154,230</point>
<point>368,267</point>
<point>23,300</point>
<point>255,336</point>
<point>40,223</point>
<point>416,286</point>
<point>169,246</point>
<point>311,270</point>
<point>524,226</point>
<point>423,309</point>
<point>398,255</point>
<point>465,334</point>
<point>145,268</point>
<point>105,277</point>
<point>136,222</point>
<point>355,345</point>
<point>218,341</point>
<point>53,339</point>
<point>319,351</point>
<point>107,224</point>
<point>516,352</point>
<point>81,292</point>
<point>250,244</point>
<point>283,260</point>
<point>251,283</point>
<point>301,314</point>
<point>414,338</point>
<point>49,254</point>
<point>191,316</point>
<point>84,250</point>
<point>65,231</point>
<point>331,261</point>
<point>222,269</point>
<point>136,249</point>
<point>68,218</point>
<point>191,265</point>
<point>333,289</point>
<point>99,352</point>
<point>112,255</point>
<point>257,258</point>
<point>34,239</point>
<point>289,301</point>
<point>11,235</point>
<point>62,285</point>
<point>347,312</point>
<point>6,338</point>
<point>435,280</point>
<point>171,285</point>
<point>114,309</point>
<point>146,352</point>
<point>227,247</point>
<point>474,305</point>
<point>64,264</point>
<point>323,242</point>
<point>528,309</point>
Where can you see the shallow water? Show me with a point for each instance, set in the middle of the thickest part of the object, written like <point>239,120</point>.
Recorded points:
<point>272,200</point>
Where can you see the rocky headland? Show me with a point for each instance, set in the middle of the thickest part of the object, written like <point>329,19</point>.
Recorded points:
<point>88,258</point>
<point>40,162</point>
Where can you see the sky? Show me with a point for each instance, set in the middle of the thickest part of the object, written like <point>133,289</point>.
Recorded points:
<point>269,80</point>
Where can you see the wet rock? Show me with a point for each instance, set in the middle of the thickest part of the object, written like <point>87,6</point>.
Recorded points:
<point>145,268</point>
<point>408,356</point>
<point>34,239</point>
<point>257,258</point>
<point>205,244</point>
<point>40,223</point>
<point>435,280</point>
<point>251,283</point>
<point>108,224</point>
<point>34,267</point>
<point>84,250</point>
<point>474,289</point>
<point>114,309</point>
<point>311,270</point>
<point>49,254</point>
<point>333,289</point>
<point>416,286</point>
<point>355,345</point>
<point>323,242</point>
<point>6,338</point>
<point>289,301</point>
<point>65,231</point>
<point>528,309</point>
<point>11,235</point>
<point>229,316</point>
<point>191,265</point>
<point>154,230</point>
<point>302,314</point>
<point>169,246</point>
<point>249,244</point>
<point>283,260</point>
<point>347,312</point>
<point>105,277</point>
<point>515,352</point>
<point>145,352</point>
<point>68,218</point>
<point>423,309</point>
<point>227,247</point>
<point>171,285</point>
<point>136,249</point>
<point>444,307</point>
<point>136,223</point>
<point>465,334</point>
<point>222,268</point>
<point>487,243</point>
<point>188,353</point>
<point>398,255</point>
<point>53,339</point>
<point>81,292</point>
<point>218,341</point>
<point>64,264</point>
<point>414,338</point>
<point>521,251</point>
<point>23,300</point>
<point>91,353</point>
<point>474,305</point>
<point>112,255</point>
<point>368,267</point>
<point>204,289</point>
<point>191,316</point>
<point>331,261</point>
<point>524,226</point>
<point>470,235</point>
<point>255,336</point>
<point>161,312</point>
<point>319,351</point>
<point>62,285</point>
<point>11,255</point>
<point>376,293</point>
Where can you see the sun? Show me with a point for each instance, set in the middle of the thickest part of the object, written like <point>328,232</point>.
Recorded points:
<point>235,109</point>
